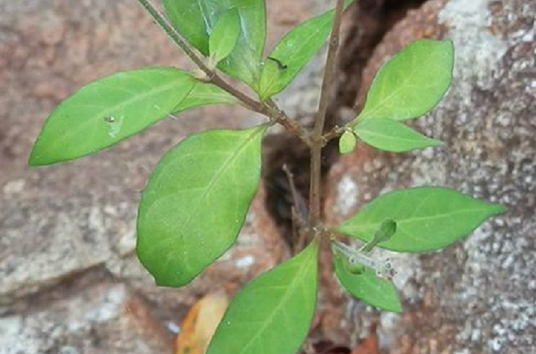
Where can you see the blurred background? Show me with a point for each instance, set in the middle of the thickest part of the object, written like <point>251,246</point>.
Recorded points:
<point>69,279</point>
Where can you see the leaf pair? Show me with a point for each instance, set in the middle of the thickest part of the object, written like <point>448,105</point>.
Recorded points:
<point>233,33</point>
<point>427,219</point>
<point>197,20</point>
<point>410,85</point>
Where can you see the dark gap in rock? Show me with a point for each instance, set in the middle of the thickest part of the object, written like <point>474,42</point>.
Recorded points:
<point>369,21</point>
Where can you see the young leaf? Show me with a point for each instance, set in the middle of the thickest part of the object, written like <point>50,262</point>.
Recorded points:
<point>412,83</point>
<point>368,287</point>
<point>196,20</point>
<point>293,53</point>
<point>385,232</point>
<point>196,201</point>
<point>225,36</point>
<point>347,142</point>
<point>427,218</point>
<point>114,108</point>
<point>272,315</point>
<point>390,135</point>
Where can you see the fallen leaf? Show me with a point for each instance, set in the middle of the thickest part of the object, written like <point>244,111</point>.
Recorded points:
<point>200,324</point>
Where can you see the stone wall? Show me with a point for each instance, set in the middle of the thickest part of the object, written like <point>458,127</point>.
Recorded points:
<point>478,296</point>
<point>69,280</point>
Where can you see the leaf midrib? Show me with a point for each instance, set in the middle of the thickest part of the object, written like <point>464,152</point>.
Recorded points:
<point>269,320</point>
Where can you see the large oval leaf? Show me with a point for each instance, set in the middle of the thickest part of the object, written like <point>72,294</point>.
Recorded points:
<point>114,108</point>
<point>294,51</point>
<point>391,135</point>
<point>196,19</point>
<point>196,202</point>
<point>412,83</point>
<point>428,218</point>
<point>272,315</point>
<point>368,287</point>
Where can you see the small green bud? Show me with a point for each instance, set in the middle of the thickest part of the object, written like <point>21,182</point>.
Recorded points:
<point>347,142</point>
<point>385,232</point>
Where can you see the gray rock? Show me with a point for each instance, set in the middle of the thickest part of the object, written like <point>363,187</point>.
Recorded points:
<point>90,318</point>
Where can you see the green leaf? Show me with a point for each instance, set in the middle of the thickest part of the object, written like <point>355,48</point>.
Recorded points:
<point>427,218</point>
<point>196,202</point>
<point>273,313</point>
<point>204,94</point>
<point>390,135</point>
<point>385,232</point>
<point>196,20</point>
<point>225,35</point>
<point>412,83</point>
<point>114,108</point>
<point>368,287</point>
<point>347,142</point>
<point>293,53</point>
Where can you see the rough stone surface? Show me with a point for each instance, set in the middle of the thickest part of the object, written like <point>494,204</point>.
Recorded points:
<point>85,317</point>
<point>477,296</point>
<point>70,221</point>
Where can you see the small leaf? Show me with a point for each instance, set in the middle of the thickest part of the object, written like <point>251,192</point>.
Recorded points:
<point>196,202</point>
<point>225,35</point>
<point>368,287</point>
<point>293,53</point>
<point>412,83</point>
<point>427,218</point>
<point>347,142</point>
<point>273,314</point>
<point>390,135</point>
<point>112,109</point>
<point>385,232</point>
<point>196,20</point>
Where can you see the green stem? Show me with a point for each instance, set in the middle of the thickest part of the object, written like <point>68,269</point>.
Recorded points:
<point>175,37</point>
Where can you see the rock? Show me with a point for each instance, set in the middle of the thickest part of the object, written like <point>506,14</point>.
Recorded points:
<point>477,296</point>
<point>92,318</point>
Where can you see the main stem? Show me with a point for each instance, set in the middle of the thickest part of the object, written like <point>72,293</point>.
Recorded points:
<point>317,141</point>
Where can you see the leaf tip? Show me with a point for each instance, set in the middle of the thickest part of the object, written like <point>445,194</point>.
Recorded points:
<point>498,209</point>
<point>396,309</point>
<point>436,143</point>
<point>36,158</point>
